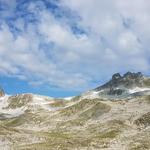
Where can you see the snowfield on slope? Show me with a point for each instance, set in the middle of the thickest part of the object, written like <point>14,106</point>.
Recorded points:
<point>9,113</point>
<point>138,89</point>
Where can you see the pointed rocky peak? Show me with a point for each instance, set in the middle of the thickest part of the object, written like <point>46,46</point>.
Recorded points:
<point>131,75</point>
<point>129,79</point>
<point>128,75</point>
<point>2,93</point>
<point>125,84</point>
<point>116,76</point>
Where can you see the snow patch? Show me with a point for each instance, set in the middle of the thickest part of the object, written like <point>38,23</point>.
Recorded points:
<point>91,95</point>
<point>68,98</point>
<point>3,102</point>
<point>138,89</point>
<point>42,102</point>
<point>9,113</point>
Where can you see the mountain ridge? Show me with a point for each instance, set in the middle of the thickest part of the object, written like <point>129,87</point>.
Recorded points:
<point>120,87</point>
<point>129,79</point>
<point>99,122</point>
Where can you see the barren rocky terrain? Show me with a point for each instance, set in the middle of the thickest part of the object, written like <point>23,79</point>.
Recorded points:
<point>85,122</point>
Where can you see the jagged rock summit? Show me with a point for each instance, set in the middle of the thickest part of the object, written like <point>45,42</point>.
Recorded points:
<point>130,84</point>
<point>2,93</point>
<point>128,80</point>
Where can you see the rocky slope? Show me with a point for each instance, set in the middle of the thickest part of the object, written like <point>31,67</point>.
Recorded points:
<point>85,122</point>
<point>128,85</point>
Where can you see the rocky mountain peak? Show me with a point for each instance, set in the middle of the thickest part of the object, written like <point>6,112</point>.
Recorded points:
<point>120,84</point>
<point>116,76</point>
<point>131,75</point>
<point>128,75</point>
<point>2,93</point>
<point>129,79</point>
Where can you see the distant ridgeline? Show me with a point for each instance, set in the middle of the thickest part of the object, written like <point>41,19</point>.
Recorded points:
<point>130,84</point>
<point>2,93</point>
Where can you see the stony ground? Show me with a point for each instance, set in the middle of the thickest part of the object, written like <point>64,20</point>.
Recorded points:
<point>31,122</point>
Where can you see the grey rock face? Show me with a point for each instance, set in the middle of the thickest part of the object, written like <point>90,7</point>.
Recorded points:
<point>116,76</point>
<point>120,85</point>
<point>128,80</point>
<point>115,91</point>
<point>131,75</point>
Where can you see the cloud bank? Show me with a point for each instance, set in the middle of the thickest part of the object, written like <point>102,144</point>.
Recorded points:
<point>73,44</point>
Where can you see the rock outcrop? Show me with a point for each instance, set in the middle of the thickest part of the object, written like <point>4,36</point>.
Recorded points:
<point>128,80</point>
<point>2,93</point>
<point>121,85</point>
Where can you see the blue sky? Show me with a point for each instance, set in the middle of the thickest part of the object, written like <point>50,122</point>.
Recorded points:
<point>64,47</point>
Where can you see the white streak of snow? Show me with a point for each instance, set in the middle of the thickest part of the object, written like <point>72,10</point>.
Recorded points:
<point>68,98</point>
<point>138,89</point>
